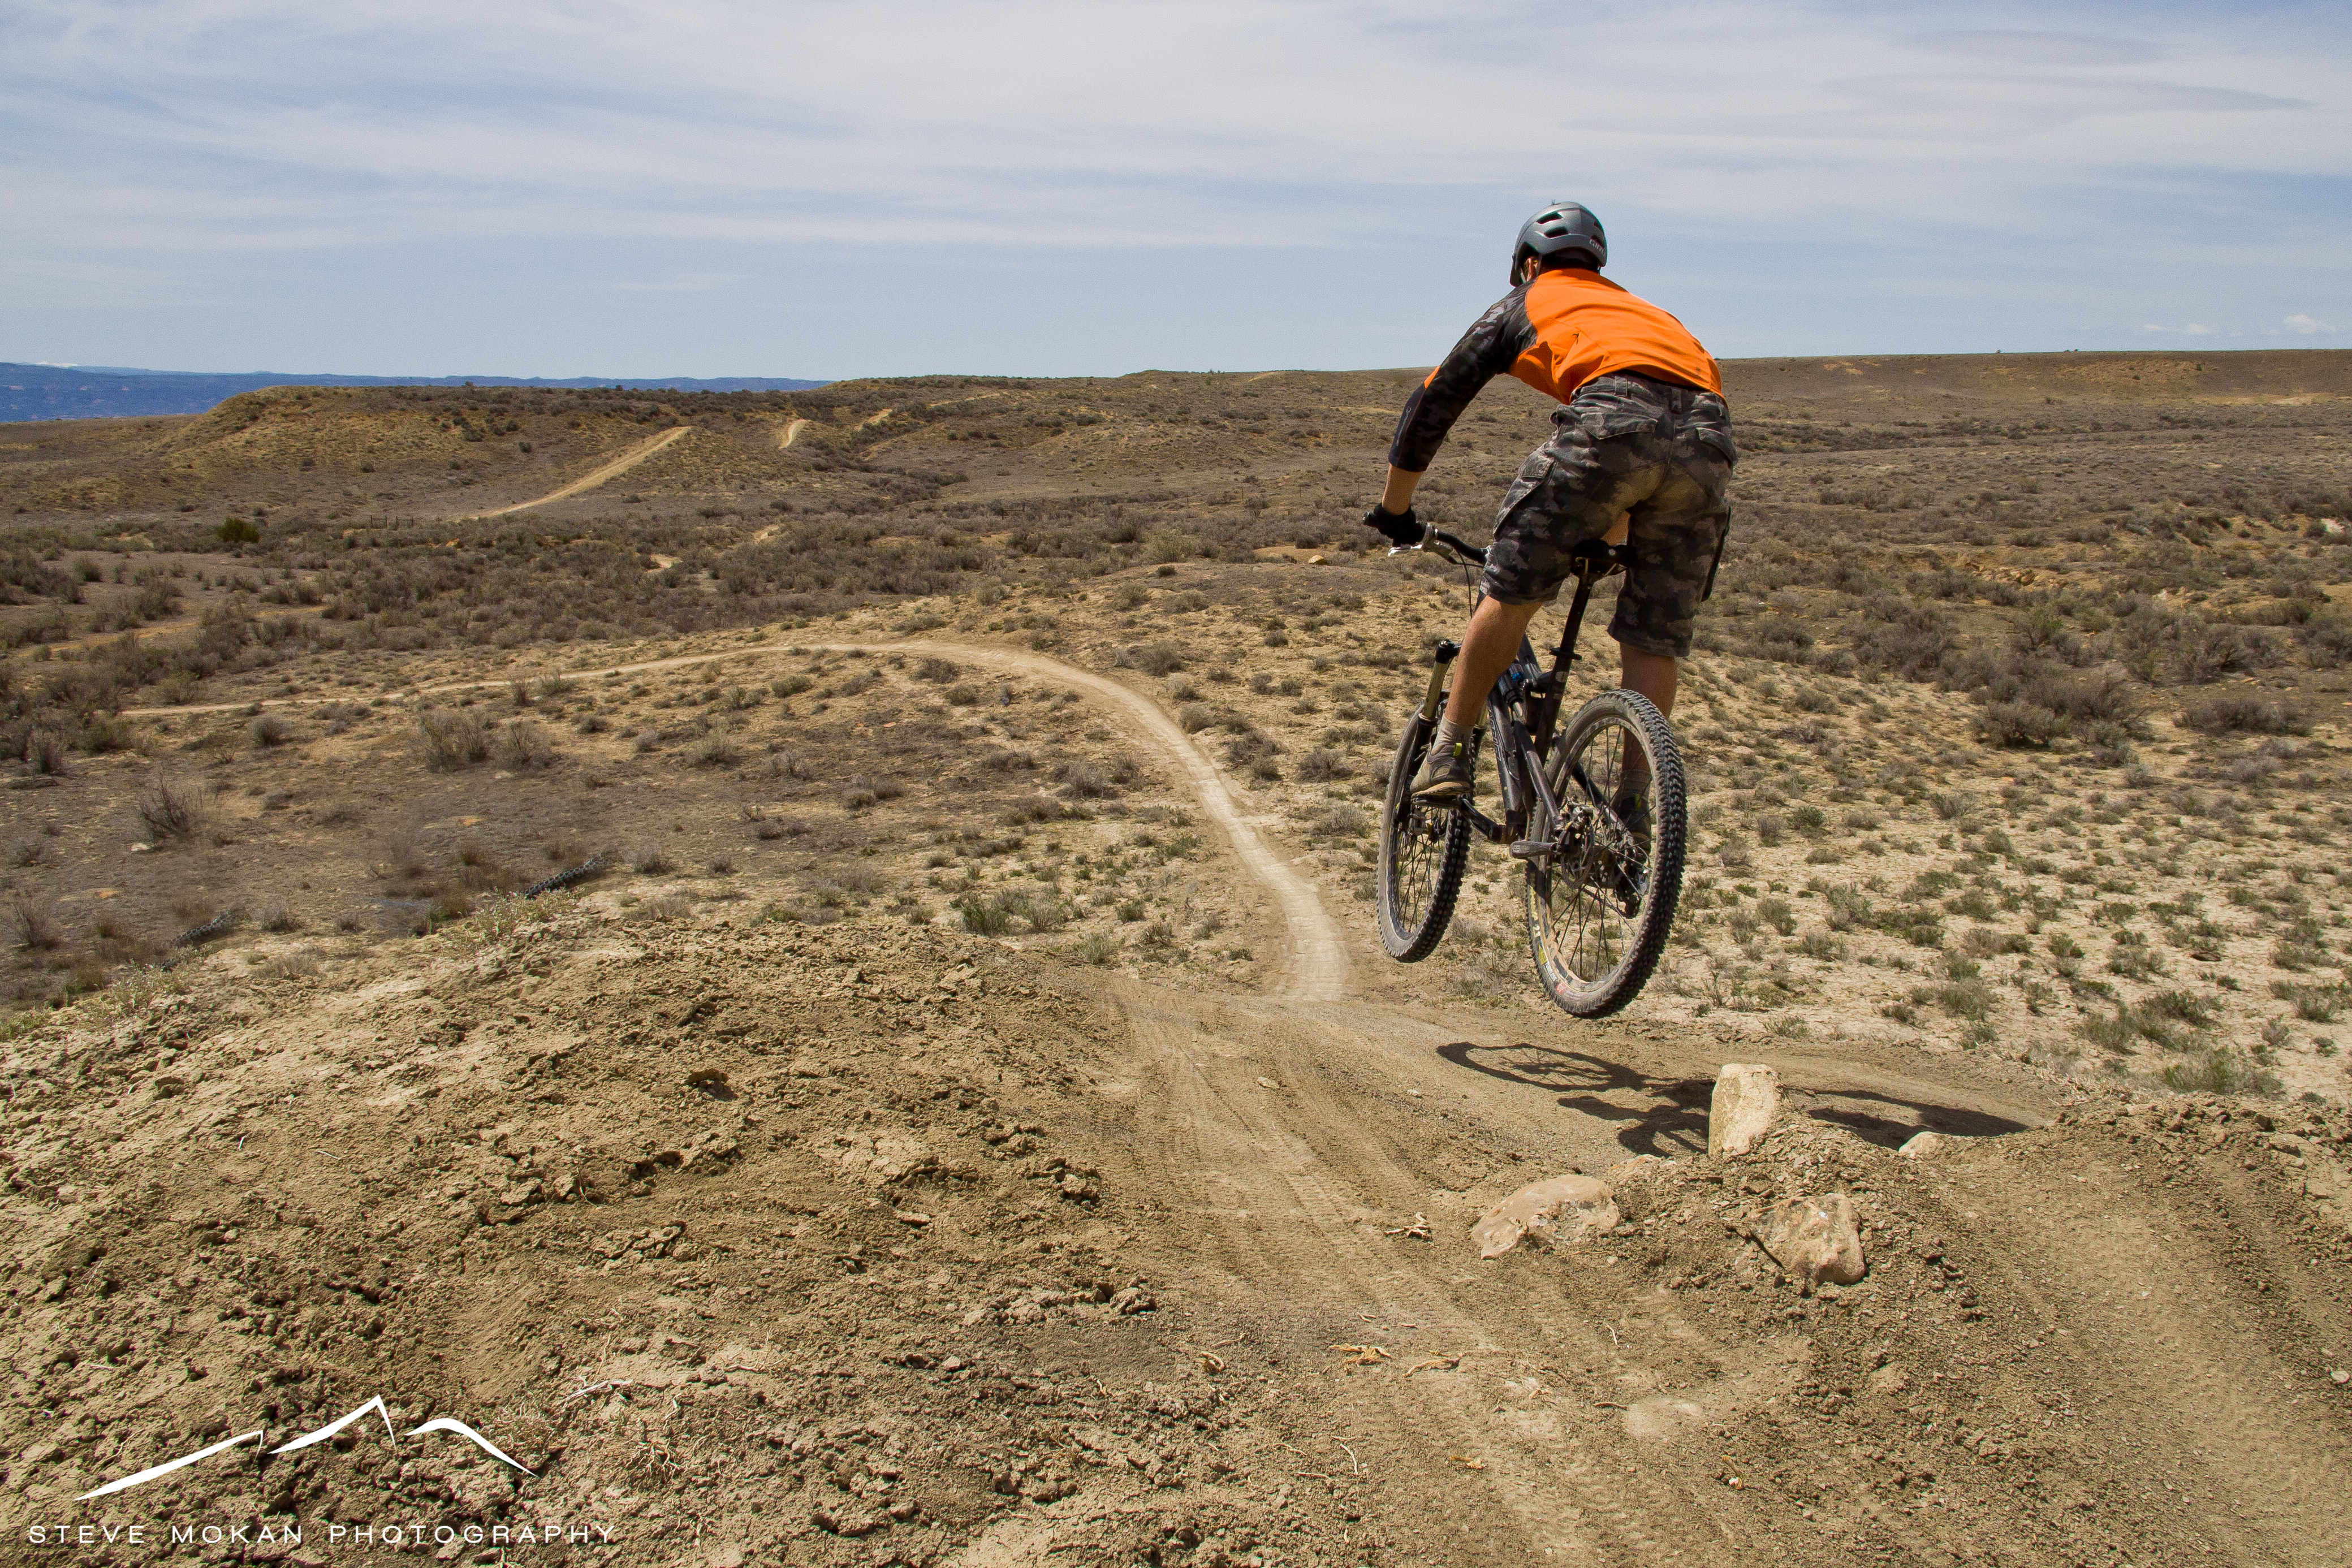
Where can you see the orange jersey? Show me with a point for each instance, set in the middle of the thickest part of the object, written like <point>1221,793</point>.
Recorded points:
<point>1555,333</point>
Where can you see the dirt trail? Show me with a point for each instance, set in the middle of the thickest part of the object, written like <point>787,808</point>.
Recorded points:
<point>791,433</point>
<point>1314,963</point>
<point>613,470</point>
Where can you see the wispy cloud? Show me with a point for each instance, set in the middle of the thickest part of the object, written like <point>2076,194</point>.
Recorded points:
<point>2302,326</point>
<point>154,144</point>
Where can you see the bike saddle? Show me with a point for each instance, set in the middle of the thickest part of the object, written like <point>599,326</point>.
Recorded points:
<point>1595,559</point>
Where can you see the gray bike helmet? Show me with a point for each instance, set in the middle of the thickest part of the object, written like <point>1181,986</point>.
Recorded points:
<point>1559,228</point>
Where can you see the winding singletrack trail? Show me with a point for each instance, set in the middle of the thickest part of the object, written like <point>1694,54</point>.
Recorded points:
<point>611,470</point>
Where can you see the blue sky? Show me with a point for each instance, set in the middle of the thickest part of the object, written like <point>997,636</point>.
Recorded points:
<point>562,187</point>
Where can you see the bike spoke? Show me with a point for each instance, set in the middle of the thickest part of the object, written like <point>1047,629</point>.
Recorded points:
<point>1583,898</point>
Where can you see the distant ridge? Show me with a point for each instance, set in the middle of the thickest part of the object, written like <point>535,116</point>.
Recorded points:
<point>100,391</point>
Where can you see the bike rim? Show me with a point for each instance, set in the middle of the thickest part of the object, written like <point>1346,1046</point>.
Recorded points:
<point>1579,899</point>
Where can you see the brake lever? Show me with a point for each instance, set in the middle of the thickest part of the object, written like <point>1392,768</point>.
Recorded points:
<point>1428,537</point>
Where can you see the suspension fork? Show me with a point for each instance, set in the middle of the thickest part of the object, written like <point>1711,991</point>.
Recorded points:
<point>1435,699</point>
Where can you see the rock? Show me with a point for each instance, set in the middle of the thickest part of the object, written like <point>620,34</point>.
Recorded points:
<point>1132,1300</point>
<point>1639,1167</point>
<point>1919,1145</point>
<point>1890,1380</point>
<point>1813,1238</point>
<point>1747,1098</point>
<point>844,1521</point>
<point>1555,1211</point>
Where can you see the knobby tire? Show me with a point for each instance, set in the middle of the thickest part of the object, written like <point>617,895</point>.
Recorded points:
<point>1423,853</point>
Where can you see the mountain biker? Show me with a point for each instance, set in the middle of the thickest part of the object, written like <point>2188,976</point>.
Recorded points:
<point>1644,445</point>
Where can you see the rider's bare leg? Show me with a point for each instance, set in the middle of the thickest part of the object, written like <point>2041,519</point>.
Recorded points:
<point>1487,649</point>
<point>1652,674</point>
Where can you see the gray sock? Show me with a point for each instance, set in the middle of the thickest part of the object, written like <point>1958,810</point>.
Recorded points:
<point>1451,735</point>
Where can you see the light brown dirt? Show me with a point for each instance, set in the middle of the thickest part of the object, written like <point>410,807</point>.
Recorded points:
<point>608,472</point>
<point>830,1222</point>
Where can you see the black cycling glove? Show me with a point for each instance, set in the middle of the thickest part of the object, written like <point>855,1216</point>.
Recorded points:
<point>1402,528</point>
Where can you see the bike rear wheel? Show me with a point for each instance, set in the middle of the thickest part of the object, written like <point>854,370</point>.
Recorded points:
<point>1423,851</point>
<point>1600,907</point>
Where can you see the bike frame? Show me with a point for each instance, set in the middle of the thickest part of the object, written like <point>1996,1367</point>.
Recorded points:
<point>1523,709</point>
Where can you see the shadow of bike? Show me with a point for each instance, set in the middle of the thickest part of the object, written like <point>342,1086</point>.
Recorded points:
<point>1667,1116</point>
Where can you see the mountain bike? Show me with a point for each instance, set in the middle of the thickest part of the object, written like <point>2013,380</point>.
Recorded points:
<point>1594,809</point>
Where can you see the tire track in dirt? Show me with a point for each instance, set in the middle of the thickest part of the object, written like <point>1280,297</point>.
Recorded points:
<point>1281,1195</point>
<point>611,470</point>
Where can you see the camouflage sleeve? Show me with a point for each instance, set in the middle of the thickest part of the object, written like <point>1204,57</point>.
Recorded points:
<point>1486,350</point>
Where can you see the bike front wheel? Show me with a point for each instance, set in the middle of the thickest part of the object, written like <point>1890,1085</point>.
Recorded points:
<point>1423,851</point>
<point>1600,902</point>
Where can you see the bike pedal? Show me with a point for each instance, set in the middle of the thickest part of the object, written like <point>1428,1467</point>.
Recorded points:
<point>1532,850</point>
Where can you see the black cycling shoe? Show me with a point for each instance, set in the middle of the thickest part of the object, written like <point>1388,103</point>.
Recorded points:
<point>1445,775</point>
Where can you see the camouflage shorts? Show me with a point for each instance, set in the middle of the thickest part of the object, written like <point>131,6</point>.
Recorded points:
<point>1624,443</point>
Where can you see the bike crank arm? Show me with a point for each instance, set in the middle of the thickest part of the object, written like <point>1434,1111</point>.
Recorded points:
<point>1493,831</point>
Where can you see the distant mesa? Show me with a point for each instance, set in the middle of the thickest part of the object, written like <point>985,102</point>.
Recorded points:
<point>103,392</point>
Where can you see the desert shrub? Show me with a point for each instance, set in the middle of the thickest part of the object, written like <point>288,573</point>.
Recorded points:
<point>794,686</point>
<point>103,731</point>
<point>983,918</point>
<point>2180,1007</point>
<point>2328,640</point>
<point>31,923</point>
<point>864,792</point>
<point>1154,658</point>
<point>1251,746</point>
<point>1195,717</point>
<point>2245,713</point>
<point>715,751</point>
<point>939,672</point>
<point>2098,696</point>
<point>1084,782</point>
<point>453,739</point>
<point>1342,821</point>
<point>1321,764</point>
<point>1903,638</point>
<point>652,860</point>
<point>964,695</point>
<point>523,743</point>
<point>2218,1071</point>
<point>44,752</point>
<point>2020,724</point>
<point>1850,909</point>
<point>170,810</point>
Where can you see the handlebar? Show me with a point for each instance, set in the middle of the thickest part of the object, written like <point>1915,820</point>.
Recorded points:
<point>1593,558</point>
<point>1447,545</point>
